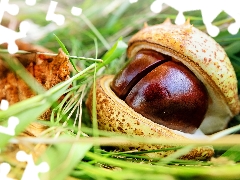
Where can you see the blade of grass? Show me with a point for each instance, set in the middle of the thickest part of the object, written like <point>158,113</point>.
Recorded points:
<point>95,31</point>
<point>229,172</point>
<point>233,153</point>
<point>118,174</point>
<point>75,57</point>
<point>63,157</point>
<point>224,133</point>
<point>119,12</point>
<point>65,51</point>
<point>123,140</point>
<point>61,45</point>
<point>94,109</point>
<point>177,154</point>
<point>116,51</point>
<point>232,48</point>
<point>39,104</point>
<point>19,69</point>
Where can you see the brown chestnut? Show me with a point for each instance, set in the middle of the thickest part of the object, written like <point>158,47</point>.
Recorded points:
<point>162,90</point>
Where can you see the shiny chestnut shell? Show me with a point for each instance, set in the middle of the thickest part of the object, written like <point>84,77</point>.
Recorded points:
<point>162,90</point>
<point>204,57</point>
<point>171,96</point>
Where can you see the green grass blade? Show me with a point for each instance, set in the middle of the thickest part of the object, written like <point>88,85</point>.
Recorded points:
<point>19,69</point>
<point>95,31</point>
<point>66,52</point>
<point>177,154</point>
<point>119,12</point>
<point>61,45</point>
<point>116,51</point>
<point>63,157</point>
<point>232,48</point>
<point>233,153</point>
<point>37,105</point>
<point>94,109</point>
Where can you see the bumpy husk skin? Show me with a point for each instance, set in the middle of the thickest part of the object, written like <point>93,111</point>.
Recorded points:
<point>204,57</point>
<point>115,115</point>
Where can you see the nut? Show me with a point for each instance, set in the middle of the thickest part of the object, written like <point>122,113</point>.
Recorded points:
<point>196,53</point>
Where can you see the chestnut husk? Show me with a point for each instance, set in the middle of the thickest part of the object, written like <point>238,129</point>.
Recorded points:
<point>199,53</point>
<point>116,116</point>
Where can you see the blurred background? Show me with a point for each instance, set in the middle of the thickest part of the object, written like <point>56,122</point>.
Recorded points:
<point>104,22</point>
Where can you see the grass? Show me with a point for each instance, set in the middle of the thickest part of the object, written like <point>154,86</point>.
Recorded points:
<point>75,150</point>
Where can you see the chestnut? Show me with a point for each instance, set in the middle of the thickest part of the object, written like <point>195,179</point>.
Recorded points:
<point>162,90</point>
<point>178,84</point>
